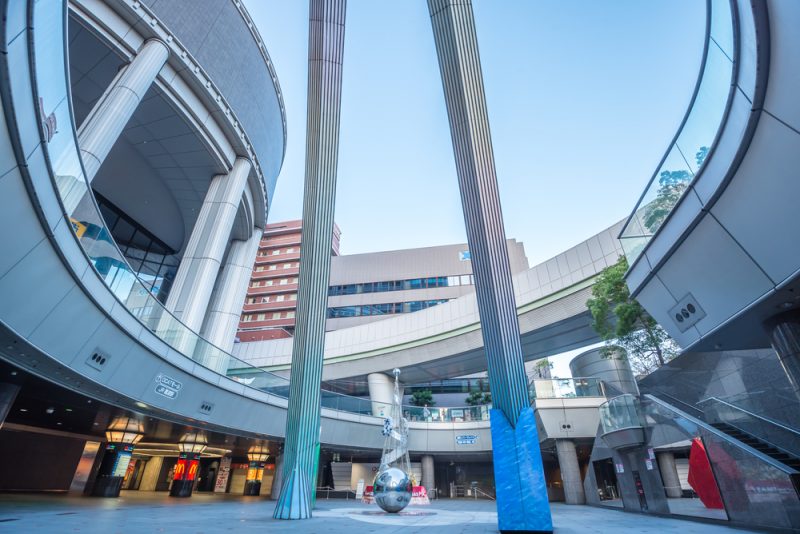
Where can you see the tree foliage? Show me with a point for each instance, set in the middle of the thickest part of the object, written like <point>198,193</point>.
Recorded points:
<point>422,397</point>
<point>478,398</point>
<point>621,320</point>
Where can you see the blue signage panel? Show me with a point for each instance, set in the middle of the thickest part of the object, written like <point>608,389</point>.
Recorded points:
<point>467,439</point>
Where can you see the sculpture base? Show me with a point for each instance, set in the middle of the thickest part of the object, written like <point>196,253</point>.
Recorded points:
<point>522,504</point>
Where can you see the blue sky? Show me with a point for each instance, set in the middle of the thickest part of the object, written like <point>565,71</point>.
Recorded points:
<point>584,96</point>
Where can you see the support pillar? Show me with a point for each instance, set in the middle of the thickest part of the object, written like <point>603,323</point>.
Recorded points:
<point>428,475</point>
<point>191,291</point>
<point>521,490</point>
<point>381,393</point>
<point>669,474</point>
<point>570,472</point>
<point>8,394</point>
<point>784,331</point>
<point>325,52</point>
<point>227,301</point>
<point>277,480</point>
<point>105,122</point>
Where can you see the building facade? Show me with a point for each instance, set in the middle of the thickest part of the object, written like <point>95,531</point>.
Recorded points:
<point>363,288</point>
<point>269,307</point>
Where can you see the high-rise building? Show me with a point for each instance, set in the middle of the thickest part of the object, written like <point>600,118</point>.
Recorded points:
<point>269,308</point>
<point>363,287</point>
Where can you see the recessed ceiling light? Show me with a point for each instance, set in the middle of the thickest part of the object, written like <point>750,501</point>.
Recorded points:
<point>13,373</point>
<point>23,409</point>
<point>50,410</point>
<point>68,409</point>
<point>58,423</point>
<point>141,405</point>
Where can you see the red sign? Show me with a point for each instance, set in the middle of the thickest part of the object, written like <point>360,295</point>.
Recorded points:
<point>186,469</point>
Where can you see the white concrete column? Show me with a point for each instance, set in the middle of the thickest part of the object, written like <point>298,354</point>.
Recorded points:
<point>381,391</point>
<point>570,472</point>
<point>191,291</point>
<point>428,477</point>
<point>105,122</point>
<point>669,474</point>
<point>277,480</point>
<point>225,308</point>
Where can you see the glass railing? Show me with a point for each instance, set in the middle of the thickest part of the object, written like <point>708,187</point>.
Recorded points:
<point>770,431</point>
<point>52,97</point>
<point>565,388</point>
<point>696,136</point>
<point>620,412</point>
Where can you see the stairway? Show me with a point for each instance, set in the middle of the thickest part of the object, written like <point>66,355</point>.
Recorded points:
<point>761,446</point>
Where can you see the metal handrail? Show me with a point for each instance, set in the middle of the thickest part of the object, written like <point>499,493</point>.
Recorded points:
<point>722,435</point>
<point>692,408</point>
<point>762,418</point>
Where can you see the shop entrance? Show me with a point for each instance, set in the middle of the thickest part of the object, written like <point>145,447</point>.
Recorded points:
<point>606,477</point>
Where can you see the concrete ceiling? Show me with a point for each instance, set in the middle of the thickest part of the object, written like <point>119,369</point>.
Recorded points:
<point>174,169</point>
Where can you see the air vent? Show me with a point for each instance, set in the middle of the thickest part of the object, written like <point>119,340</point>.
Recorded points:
<point>686,313</point>
<point>206,407</point>
<point>98,360</point>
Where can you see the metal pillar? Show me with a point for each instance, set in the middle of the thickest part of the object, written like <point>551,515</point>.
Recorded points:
<point>105,122</point>
<point>191,291</point>
<point>227,300</point>
<point>521,491</point>
<point>301,453</point>
<point>570,472</point>
<point>8,394</point>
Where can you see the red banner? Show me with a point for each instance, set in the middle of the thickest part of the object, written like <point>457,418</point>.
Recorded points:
<point>701,478</point>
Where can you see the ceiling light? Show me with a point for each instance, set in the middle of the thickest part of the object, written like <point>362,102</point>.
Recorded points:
<point>125,429</point>
<point>141,405</point>
<point>23,409</point>
<point>50,410</point>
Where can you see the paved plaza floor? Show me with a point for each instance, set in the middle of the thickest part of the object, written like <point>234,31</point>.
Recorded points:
<point>143,512</point>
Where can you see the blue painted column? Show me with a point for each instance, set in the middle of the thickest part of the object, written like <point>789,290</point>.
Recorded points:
<point>519,475</point>
<point>301,451</point>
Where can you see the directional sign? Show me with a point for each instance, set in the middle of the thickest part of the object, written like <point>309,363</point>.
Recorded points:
<point>467,439</point>
<point>167,386</point>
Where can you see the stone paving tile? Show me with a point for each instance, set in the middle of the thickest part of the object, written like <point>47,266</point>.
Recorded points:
<point>141,512</point>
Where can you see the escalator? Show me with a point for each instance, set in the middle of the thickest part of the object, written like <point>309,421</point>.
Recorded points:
<point>760,445</point>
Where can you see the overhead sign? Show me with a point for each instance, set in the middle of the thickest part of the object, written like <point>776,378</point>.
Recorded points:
<point>466,439</point>
<point>167,386</point>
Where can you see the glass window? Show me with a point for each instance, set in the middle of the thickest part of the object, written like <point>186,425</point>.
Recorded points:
<point>276,252</point>
<point>276,315</point>
<point>279,298</point>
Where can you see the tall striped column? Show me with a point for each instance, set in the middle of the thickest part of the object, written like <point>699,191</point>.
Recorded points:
<point>519,475</point>
<point>301,451</point>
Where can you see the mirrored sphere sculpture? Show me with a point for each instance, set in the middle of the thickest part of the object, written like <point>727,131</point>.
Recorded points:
<point>392,489</point>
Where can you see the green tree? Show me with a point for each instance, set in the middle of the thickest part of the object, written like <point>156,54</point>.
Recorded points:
<point>422,397</point>
<point>620,320</point>
<point>478,398</point>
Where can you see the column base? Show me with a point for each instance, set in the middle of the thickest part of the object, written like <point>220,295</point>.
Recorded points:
<point>105,486</point>
<point>522,504</point>
<point>181,488</point>
<point>295,499</point>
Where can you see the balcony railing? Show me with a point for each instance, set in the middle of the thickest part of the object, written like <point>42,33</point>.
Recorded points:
<point>566,388</point>
<point>620,413</point>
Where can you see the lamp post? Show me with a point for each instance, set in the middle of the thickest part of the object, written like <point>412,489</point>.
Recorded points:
<point>191,446</point>
<point>122,434</point>
<point>257,455</point>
